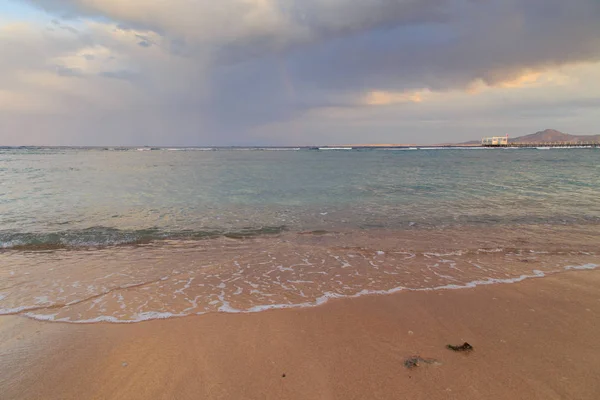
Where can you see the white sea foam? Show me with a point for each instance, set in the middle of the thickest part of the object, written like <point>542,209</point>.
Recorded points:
<point>580,267</point>
<point>222,302</point>
<point>452,253</point>
<point>140,317</point>
<point>148,315</point>
<point>497,250</point>
<point>488,281</point>
<point>41,317</point>
<point>16,310</point>
<point>365,292</point>
<point>42,300</point>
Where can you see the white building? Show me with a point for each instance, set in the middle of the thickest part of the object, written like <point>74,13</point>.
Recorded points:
<point>495,141</point>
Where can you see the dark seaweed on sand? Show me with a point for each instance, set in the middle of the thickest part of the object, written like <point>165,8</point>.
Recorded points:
<point>464,347</point>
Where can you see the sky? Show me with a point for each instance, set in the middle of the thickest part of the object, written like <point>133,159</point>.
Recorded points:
<point>295,72</point>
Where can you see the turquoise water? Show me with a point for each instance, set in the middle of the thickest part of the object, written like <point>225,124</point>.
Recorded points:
<point>95,197</point>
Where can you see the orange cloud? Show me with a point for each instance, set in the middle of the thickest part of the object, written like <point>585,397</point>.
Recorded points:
<point>523,79</point>
<point>384,98</point>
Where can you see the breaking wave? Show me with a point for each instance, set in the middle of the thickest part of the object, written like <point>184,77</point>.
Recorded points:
<point>101,236</point>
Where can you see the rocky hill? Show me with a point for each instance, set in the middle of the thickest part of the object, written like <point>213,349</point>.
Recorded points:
<point>547,136</point>
<point>552,135</point>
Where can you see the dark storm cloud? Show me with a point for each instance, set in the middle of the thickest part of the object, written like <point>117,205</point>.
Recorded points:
<point>491,41</point>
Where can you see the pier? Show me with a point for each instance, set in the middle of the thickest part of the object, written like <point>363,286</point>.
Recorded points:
<point>548,145</point>
<point>502,141</point>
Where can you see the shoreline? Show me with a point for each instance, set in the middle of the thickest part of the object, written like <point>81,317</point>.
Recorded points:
<point>536,338</point>
<point>292,271</point>
<point>319,302</point>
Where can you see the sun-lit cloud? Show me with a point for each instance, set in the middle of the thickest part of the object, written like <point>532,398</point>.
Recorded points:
<point>380,97</point>
<point>526,79</point>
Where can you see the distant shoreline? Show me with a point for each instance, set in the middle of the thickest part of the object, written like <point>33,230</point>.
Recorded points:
<point>538,139</point>
<point>308,148</point>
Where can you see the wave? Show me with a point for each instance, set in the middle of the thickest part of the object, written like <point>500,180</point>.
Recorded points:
<point>100,236</point>
<point>225,306</point>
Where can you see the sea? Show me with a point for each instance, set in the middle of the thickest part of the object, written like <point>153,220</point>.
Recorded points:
<point>123,235</point>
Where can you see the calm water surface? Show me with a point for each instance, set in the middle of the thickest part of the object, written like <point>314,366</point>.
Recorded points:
<point>87,197</point>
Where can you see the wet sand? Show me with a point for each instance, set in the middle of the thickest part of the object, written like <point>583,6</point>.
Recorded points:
<point>536,339</point>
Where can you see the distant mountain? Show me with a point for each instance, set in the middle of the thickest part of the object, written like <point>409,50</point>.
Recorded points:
<point>546,136</point>
<point>552,135</point>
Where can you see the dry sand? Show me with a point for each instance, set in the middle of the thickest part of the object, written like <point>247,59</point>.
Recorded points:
<point>538,339</point>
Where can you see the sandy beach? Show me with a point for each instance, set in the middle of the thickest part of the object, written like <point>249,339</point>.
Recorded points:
<point>535,339</point>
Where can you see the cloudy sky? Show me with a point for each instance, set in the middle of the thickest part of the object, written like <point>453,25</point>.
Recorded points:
<point>295,72</point>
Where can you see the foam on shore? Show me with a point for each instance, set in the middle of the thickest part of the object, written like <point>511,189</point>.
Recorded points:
<point>224,305</point>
